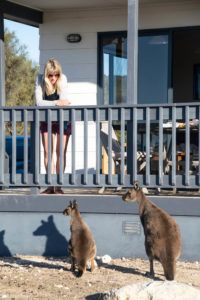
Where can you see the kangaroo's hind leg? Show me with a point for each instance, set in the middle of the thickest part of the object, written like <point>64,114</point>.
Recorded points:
<point>169,269</point>
<point>151,273</point>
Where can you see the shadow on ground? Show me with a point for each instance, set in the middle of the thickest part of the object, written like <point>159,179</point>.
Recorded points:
<point>10,261</point>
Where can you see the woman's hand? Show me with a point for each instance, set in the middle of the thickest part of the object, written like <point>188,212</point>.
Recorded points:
<point>62,103</point>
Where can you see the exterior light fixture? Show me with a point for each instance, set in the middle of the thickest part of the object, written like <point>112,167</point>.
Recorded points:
<point>73,38</point>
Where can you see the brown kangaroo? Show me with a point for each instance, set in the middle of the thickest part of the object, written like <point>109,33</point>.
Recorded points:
<point>162,234</point>
<point>81,245</point>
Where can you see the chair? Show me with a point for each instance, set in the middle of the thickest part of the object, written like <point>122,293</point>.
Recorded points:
<point>116,150</point>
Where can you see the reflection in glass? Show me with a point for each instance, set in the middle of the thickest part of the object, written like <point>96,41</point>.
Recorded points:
<point>114,69</point>
<point>153,69</point>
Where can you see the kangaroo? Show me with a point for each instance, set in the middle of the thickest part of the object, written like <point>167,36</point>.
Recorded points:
<point>162,234</point>
<point>81,245</point>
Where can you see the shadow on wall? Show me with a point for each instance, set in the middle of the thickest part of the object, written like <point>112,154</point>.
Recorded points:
<point>56,244</point>
<point>4,251</point>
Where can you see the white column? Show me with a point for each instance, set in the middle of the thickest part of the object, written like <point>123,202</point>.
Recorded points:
<point>132,52</point>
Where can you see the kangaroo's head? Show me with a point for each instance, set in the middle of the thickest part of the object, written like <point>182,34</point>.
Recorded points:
<point>71,208</point>
<point>131,195</point>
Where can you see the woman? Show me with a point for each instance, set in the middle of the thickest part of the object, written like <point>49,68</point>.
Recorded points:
<point>51,90</point>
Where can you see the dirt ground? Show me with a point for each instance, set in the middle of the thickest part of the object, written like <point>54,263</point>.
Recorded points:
<point>35,277</point>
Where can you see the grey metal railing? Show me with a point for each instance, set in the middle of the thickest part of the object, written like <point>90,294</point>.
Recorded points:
<point>148,137</point>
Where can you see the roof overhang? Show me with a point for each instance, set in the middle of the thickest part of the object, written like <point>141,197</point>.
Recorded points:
<point>46,5</point>
<point>23,14</point>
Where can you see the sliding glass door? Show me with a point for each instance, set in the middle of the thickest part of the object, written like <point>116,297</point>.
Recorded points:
<point>153,68</point>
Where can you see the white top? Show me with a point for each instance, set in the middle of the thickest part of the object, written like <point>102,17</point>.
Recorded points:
<point>39,91</point>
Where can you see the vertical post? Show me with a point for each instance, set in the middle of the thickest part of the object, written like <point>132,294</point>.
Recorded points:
<point>132,50</point>
<point>85,180</point>
<point>160,162</point>
<point>2,92</point>
<point>148,140</point>
<point>97,147</point>
<point>2,61</point>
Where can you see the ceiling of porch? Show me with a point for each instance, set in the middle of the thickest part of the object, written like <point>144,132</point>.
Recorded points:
<point>67,4</point>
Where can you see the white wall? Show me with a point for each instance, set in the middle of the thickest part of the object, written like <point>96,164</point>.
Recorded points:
<point>168,14</point>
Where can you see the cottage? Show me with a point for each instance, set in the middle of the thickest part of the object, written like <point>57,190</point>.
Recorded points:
<point>135,65</point>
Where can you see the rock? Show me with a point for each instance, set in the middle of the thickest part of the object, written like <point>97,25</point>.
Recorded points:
<point>145,191</point>
<point>123,258</point>
<point>106,259</point>
<point>154,290</point>
<point>88,266</point>
<point>101,191</point>
<point>59,286</point>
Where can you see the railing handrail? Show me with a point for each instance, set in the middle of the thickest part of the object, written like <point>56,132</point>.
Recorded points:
<point>126,105</point>
<point>130,119</point>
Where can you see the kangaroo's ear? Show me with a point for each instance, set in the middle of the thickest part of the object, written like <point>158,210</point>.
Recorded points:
<point>75,204</point>
<point>70,203</point>
<point>136,185</point>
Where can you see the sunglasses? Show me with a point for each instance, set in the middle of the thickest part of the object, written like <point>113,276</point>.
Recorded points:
<point>53,75</point>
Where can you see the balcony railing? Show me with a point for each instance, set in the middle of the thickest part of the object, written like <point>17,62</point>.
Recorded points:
<point>158,145</point>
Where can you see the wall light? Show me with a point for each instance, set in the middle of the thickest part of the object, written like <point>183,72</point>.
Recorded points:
<point>73,38</point>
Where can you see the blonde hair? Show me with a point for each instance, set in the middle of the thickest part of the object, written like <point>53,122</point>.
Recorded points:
<point>52,66</point>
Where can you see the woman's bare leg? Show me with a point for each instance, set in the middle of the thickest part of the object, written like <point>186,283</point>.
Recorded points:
<point>45,145</point>
<point>50,189</point>
<point>65,143</point>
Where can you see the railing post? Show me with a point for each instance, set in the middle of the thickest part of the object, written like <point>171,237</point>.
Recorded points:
<point>34,189</point>
<point>132,145</point>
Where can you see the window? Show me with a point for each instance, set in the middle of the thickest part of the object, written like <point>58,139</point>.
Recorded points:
<point>152,68</point>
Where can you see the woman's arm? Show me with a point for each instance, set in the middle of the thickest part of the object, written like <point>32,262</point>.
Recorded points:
<point>39,93</point>
<point>63,93</point>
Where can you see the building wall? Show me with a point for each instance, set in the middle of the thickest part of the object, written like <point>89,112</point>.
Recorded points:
<point>48,234</point>
<point>169,14</point>
<point>42,229</point>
